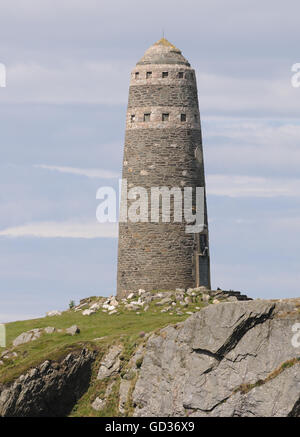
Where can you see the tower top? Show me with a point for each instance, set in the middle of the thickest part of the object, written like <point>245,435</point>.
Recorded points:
<point>163,52</point>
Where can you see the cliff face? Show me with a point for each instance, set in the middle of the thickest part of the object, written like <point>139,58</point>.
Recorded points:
<point>238,358</point>
<point>231,359</point>
<point>49,390</point>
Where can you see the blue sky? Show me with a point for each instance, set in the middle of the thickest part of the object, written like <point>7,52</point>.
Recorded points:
<point>62,120</point>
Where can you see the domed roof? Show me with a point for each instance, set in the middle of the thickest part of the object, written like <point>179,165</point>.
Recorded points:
<point>163,52</point>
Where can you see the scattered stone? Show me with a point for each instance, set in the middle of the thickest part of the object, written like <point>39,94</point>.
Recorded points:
<point>26,337</point>
<point>1,363</point>
<point>205,297</point>
<point>98,404</point>
<point>49,330</point>
<point>111,308</point>
<point>113,312</point>
<point>164,301</point>
<point>141,291</point>
<point>130,296</point>
<point>114,302</point>
<point>88,312</point>
<point>232,299</point>
<point>96,306</point>
<point>215,301</point>
<point>73,330</point>
<point>8,355</point>
<point>53,313</point>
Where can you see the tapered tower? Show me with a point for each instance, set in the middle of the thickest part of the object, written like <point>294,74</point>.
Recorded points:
<point>163,148</point>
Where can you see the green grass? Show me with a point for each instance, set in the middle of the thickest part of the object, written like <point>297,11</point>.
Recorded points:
<point>56,346</point>
<point>97,332</point>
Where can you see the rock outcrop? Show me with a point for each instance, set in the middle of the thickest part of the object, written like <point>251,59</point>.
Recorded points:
<point>50,390</point>
<point>230,359</point>
<point>234,357</point>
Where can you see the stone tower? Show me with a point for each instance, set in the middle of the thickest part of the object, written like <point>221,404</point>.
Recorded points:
<point>163,147</point>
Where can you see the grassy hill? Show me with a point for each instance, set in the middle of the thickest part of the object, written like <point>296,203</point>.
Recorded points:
<point>98,332</point>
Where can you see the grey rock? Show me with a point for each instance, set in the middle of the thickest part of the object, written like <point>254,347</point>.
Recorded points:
<point>49,330</point>
<point>50,390</point>
<point>205,297</point>
<point>53,313</point>
<point>73,330</point>
<point>164,301</point>
<point>111,363</point>
<point>26,337</point>
<point>123,394</point>
<point>98,404</point>
<point>199,366</point>
<point>232,299</point>
<point>88,312</point>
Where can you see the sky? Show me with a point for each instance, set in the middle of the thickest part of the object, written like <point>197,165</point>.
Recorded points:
<point>62,122</point>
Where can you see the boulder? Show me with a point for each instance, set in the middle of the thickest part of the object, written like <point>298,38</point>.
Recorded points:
<point>98,404</point>
<point>73,330</point>
<point>49,329</point>
<point>110,363</point>
<point>53,313</point>
<point>164,301</point>
<point>88,312</point>
<point>26,337</point>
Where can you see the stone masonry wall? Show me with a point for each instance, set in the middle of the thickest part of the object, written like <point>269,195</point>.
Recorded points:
<point>160,153</point>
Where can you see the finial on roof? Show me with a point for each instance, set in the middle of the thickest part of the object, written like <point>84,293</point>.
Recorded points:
<point>163,52</point>
<point>164,42</point>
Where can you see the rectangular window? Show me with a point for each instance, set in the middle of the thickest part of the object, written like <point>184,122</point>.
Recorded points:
<point>182,117</point>
<point>165,117</point>
<point>165,74</point>
<point>180,75</point>
<point>137,74</point>
<point>149,74</point>
<point>147,117</point>
<point>132,118</point>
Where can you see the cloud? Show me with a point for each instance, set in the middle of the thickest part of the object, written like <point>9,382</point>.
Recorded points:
<point>91,173</point>
<point>251,146</point>
<point>67,81</point>
<point>247,186</point>
<point>221,93</point>
<point>69,229</point>
<point>91,81</point>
